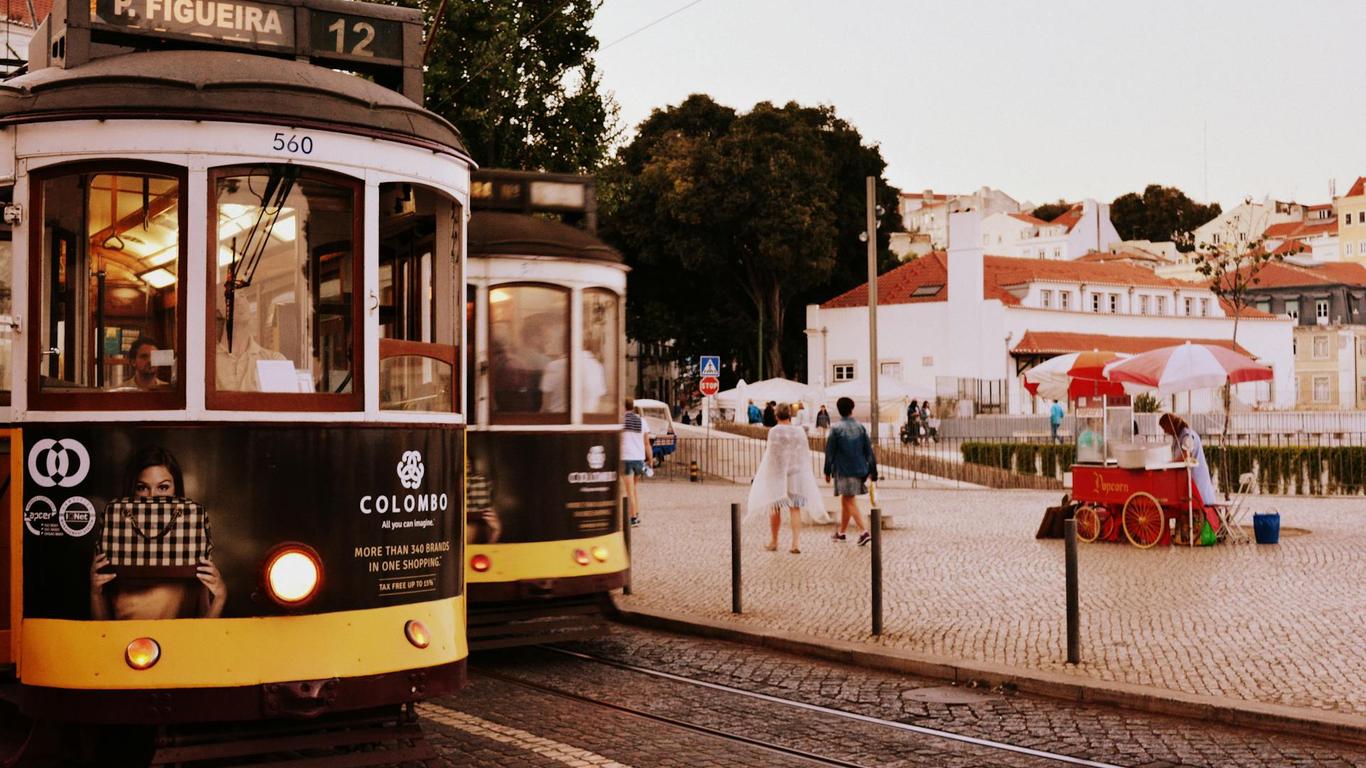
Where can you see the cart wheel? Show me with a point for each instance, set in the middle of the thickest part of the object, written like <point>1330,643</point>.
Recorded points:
<point>1143,520</point>
<point>1088,523</point>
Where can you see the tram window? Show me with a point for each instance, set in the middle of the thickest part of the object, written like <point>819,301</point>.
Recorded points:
<point>108,263</point>
<point>284,288</point>
<point>596,374</point>
<point>529,353</point>
<point>419,255</point>
<point>6,298</point>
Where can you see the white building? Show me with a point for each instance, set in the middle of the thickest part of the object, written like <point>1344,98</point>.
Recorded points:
<point>925,214</point>
<point>1246,222</point>
<point>1083,228</point>
<point>968,325</point>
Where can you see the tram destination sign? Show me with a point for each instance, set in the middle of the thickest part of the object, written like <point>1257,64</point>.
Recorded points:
<point>380,41</point>
<point>240,21</point>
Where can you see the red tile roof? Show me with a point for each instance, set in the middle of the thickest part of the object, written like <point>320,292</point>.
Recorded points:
<point>1291,247</point>
<point>1282,275</point>
<point>1000,273</point>
<point>1359,188</point>
<point>1026,218</point>
<point>1070,218</point>
<point>1060,342</point>
<point>1283,229</point>
<point>16,11</point>
<point>1227,306</point>
<point>1124,255</point>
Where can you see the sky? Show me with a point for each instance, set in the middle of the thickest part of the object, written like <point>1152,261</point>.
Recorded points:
<point>1043,100</point>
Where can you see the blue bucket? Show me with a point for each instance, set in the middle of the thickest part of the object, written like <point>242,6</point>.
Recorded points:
<point>1267,527</point>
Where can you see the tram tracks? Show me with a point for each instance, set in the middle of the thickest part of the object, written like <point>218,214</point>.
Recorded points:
<point>769,746</point>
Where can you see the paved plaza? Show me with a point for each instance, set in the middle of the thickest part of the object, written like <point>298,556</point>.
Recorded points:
<point>966,581</point>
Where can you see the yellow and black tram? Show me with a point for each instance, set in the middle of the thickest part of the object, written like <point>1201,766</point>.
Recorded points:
<point>230,281</point>
<point>544,324</point>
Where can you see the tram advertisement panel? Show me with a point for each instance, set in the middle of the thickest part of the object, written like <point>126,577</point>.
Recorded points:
<point>133,522</point>
<point>545,486</point>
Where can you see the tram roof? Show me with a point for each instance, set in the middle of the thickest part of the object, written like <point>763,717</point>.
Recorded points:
<point>513,234</point>
<point>221,85</point>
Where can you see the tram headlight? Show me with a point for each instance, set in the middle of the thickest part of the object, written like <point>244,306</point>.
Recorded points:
<point>581,557</point>
<point>417,633</point>
<point>142,653</point>
<point>480,563</point>
<point>293,574</point>
<point>600,554</point>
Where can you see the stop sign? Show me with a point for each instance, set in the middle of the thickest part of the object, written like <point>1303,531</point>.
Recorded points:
<point>710,385</point>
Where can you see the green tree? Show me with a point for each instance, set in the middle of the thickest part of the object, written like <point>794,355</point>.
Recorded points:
<point>517,78</point>
<point>730,219</point>
<point>1051,211</point>
<point>1159,214</point>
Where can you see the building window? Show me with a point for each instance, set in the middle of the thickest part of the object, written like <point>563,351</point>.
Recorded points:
<point>1046,299</point>
<point>1321,390</point>
<point>890,369</point>
<point>1264,305</point>
<point>1204,307</point>
<point>927,362</point>
<point>1347,218</point>
<point>1064,300</point>
<point>1114,303</point>
<point>1349,249</point>
<point>1361,247</point>
<point>1321,309</point>
<point>843,372</point>
<point>1292,308</point>
<point>1361,390</point>
<point>1095,302</point>
<point>1320,347</point>
<point>1161,305</point>
<point>1143,305</point>
<point>1057,253</point>
<point>1189,306</point>
<point>1216,238</point>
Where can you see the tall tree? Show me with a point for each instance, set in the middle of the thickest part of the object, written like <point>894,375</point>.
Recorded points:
<point>732,217</point>
<point>1051,211</point>
<point>1159,214</point>
<point>517,78</point>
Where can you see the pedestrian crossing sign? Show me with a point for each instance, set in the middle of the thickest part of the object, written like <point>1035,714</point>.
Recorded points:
<point>711,365</point>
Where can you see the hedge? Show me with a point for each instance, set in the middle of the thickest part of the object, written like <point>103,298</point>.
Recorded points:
<point>1306,470</point>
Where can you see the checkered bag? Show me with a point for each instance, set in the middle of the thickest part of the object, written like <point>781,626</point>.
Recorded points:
<point>157,537</point>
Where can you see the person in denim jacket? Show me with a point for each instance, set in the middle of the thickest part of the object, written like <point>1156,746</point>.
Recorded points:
<point>849,461</point>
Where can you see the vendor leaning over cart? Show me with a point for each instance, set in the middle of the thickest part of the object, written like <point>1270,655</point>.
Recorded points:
<point>1186,447</point>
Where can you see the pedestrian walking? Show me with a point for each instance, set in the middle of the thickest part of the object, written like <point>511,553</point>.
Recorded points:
<point>1055,420</point>
<point>770,419</point>
<point>753,416</point>
<point>849,462</point>
<point>785,481</point>
<point>822,418</point>
<point>635,451</point>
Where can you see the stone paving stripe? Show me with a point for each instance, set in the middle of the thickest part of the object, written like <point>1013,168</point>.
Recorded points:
<point>547,748</point>
<point>918,729</point>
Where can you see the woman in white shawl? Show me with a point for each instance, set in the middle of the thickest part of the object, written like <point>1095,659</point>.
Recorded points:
<point>785,480</point>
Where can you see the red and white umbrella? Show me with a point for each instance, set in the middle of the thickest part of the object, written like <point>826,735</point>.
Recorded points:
<point>1184,367</point>
<point>1073,375</point>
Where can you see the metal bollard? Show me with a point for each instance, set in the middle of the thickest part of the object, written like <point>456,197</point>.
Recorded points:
<point>626,540</point>
<point>694,473</point>
<point>1073,609</point>
<point>875,526</point>
<point>735,558</point>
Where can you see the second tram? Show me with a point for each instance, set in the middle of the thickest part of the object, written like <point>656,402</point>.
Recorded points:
<point>544,314</point>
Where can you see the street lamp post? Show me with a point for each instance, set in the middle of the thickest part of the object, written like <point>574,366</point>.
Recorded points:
<point>870,236</point>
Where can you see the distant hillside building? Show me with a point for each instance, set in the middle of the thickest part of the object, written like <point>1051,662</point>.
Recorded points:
<point>967,324</point>
<point>1081,229</point>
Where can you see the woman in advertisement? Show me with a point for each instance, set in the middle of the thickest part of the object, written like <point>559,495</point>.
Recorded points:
<point>151,473</point>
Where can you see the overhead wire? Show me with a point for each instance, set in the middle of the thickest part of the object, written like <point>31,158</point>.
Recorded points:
<point>661,19</point>
<point>499,58</point>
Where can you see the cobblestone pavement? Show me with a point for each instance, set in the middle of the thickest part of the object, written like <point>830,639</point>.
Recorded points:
<point>965,579</point>
<point>497,723</point>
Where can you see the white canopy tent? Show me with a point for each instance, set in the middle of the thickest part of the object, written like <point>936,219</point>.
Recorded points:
<point>893,396</point>
<point>777,390</point>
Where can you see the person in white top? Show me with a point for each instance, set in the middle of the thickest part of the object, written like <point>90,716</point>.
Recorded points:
<point>786,480</point>
<point>635,452</point>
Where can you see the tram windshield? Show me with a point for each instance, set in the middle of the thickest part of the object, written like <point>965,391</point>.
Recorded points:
<point>109,269</point>
<point>529,352</point>
<point>284,285</point>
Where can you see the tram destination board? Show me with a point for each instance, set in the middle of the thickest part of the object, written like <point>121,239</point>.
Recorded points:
<point>365,36</point>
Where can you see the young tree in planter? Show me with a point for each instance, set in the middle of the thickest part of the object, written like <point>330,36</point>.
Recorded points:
<point>1232,267</point>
